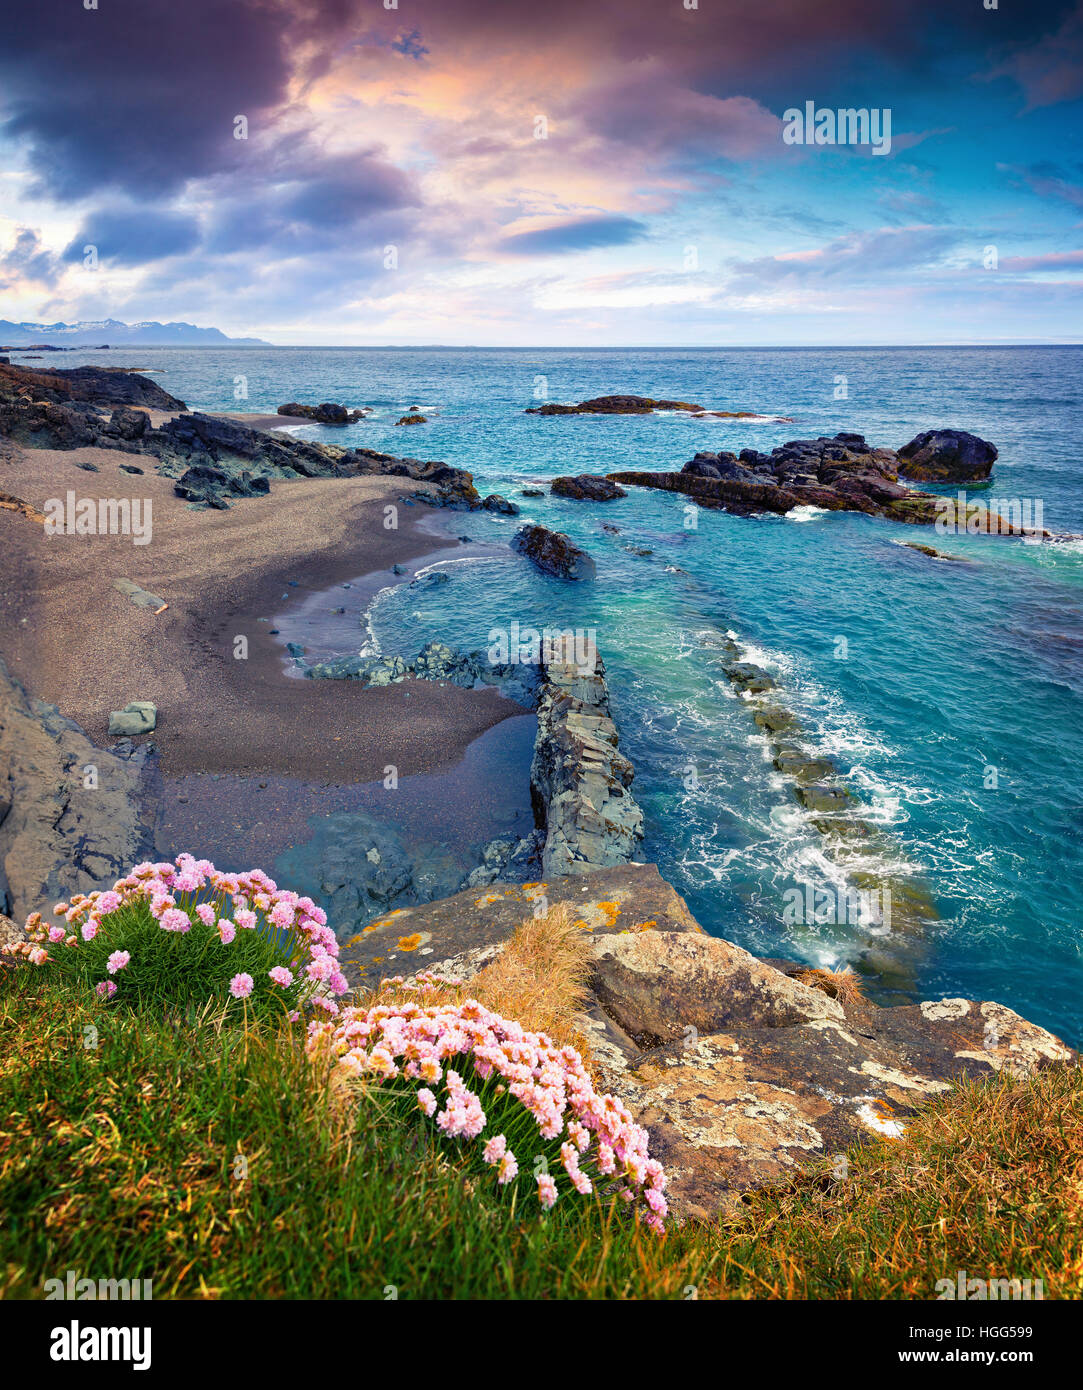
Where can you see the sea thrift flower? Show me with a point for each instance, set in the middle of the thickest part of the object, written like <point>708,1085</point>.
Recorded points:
<point>56,934</point>
<point>241,986</point>
<point>246,919</point>
<point>106,989</point>
<point>38,956</point>
<point>173,919</point>
<point>547,1191</point>
<point>281,976</point>
<point>89,931</point>
<point>427,1101</point>
<point>495,1149</point>
<point>205,913</point>
<point>117,961</point>
<point>226,930</point>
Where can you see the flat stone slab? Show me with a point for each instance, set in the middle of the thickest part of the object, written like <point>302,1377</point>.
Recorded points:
<point>456,932</point>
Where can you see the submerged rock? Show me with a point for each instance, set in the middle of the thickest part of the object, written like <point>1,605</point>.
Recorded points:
<point>495,503</point>
<point>553,553</point>
<point>587,486</point>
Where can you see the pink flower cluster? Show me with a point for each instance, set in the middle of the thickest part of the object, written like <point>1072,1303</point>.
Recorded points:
<point>410,1042</point>
<point>171,891</point>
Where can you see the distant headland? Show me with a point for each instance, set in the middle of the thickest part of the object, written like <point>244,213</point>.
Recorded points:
<point>111,332</point>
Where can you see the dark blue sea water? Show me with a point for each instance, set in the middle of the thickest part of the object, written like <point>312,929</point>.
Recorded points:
<point>956,711</point>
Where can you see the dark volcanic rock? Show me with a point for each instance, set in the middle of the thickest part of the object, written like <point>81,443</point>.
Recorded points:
<point>445,486</point>
<point>842,473</point>
<point>947,456</point>
<point>327,413</point>
<point>214,486</point>
<point>495,503</point>
<point>100,385</point>
<point>587,487</point>
<point>613,405</point>
<point>553,553</point>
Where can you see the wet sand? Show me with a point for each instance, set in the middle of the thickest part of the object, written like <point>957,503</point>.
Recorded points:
<point>76,641</point>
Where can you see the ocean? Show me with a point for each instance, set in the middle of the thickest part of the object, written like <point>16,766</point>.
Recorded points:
<point>950,696</point>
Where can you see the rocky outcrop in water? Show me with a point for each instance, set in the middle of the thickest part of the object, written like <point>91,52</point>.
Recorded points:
<point>741,1069</point>
<point>947,456</point>
<point>326,413</point>
<point>98,385</point>
<point>553,553</point>
<point>73,817</point>
<point>587,487</point>
<point>616,405</point>
<point>842,473</point>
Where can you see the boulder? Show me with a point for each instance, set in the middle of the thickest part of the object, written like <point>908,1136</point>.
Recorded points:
<point>613,405</point>
<point>326,413</point>
<point>137,717</point>
<point>495,503</point>
<point>553,553</point>
<point>947,456</point>
<point>588,487</point>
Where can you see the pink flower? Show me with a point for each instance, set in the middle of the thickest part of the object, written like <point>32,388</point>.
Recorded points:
<point>281,976</point>
<point>246,919</point>
<point>282,915</point>
<point>173,919</point>
<point>56,934</point>
<point>241,986</point>
<point>495,1149</point>
<point>226,930</point>
<point>206,914</point>
<point>108,902</point>
<point>508,1169</point>
<point>117,961</point>
<point>88,931</point>
<point>37,956</point>
<point>106,989</point>
<point>547,1191</point>
<point>427,1101</point>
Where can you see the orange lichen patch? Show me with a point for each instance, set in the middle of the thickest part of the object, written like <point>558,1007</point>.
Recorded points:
<point>16,504</point>
<point>354,939</point>
<point>611,911</point>
<point>411,943</point>
<point>649,925</point>
<point>487,899</point>
<point>584,925</point>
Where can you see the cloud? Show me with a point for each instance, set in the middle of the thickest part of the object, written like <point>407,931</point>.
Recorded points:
<point>579,234</point>
<point>1049,70</point>
<point>1050,180</point>
<point>857,257</point>
<point>134,236</point>
<point>28,260</point>
<point>1052,260</point>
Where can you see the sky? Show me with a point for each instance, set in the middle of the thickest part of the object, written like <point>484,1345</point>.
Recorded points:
<point>550,172</point>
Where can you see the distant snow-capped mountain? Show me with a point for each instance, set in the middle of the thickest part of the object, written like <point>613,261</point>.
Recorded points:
<point>112,331</point>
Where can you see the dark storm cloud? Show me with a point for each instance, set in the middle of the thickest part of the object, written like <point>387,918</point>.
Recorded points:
<point>138,94</point>
<point>580,234</point>
<point>134,236</point>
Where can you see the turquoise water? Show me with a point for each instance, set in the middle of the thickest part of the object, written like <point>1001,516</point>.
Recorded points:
<point>954,676</point>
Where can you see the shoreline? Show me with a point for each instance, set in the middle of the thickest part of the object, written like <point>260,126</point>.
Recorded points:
<point>73,640</point>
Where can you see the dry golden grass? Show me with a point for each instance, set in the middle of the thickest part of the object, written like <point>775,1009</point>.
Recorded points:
<point>540,978</point>
<point>842,985</point>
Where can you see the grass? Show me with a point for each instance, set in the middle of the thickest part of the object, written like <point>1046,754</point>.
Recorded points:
<point>215,1162</point>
